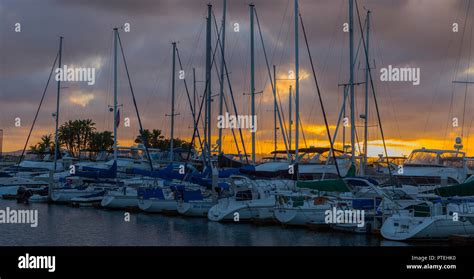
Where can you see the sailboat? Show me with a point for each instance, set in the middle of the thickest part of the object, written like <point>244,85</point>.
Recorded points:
<point>343,190</point>
<point>67,193</point>
<point>195,203</point>
<point>435,220</point>
<point>297,209</point>
<point>120,200</point>
<point>127,196</point>
<point>161,199</point>
<point>252,200</point>
<point>9,184</point>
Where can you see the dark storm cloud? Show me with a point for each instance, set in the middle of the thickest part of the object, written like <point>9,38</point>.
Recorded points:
<point>405,33</point>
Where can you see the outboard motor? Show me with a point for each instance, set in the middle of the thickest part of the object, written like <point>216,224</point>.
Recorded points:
<point>23,194</point>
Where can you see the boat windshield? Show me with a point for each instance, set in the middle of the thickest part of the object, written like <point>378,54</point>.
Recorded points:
<point>452,159</point>
<point>448,159</point>
<point>423,158</point>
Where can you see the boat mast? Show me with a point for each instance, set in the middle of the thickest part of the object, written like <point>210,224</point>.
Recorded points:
<point>351,79</point>
<point>366,113</point>
<point>290,101</point>
<point>115,92</point>
<point>208,96</point>
<point>274,109</point>
<point>252,78</point>
<point>172,103</point>
<point>56,132</point>
<point>297,84</point>
<point>344,117</point>
<point>221,91</point>
<point>194,98</point>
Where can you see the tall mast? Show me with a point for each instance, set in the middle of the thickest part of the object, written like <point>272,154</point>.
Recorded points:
<point>208,79</point>
<point>297,84</point>
<point>173,77</point>
<point>221,91</point>
<point>351,79</point>
<point>56,132</point>
<point>252,78</point>
<point>274,108</point>
<point>194,97</point>
<point>366,113</point>
<point>344,117</point>
<point>290,101</point>
<point>115,92</point>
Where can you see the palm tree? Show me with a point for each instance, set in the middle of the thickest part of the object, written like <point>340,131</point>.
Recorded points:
<point>46,145</point>
<point>76,134</point>
<point>101,141</point>
<point>155,139</point>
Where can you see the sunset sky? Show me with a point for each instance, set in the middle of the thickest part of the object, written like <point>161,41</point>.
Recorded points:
<point>405,33</point>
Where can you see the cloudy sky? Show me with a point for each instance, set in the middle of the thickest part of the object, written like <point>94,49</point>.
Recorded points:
<point>404,33</point>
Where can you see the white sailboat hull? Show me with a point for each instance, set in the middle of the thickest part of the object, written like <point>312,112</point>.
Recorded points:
<point>86,202</point>
<point>400,227</point>
<point>157,205</point>
<point>230,210</point>
<point>66,195</point>
<point>119,201</point>
<point>195,208</point>
<point>300,216</point>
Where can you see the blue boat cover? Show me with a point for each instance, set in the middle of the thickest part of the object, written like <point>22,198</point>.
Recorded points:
<point>96,173</point>
<point>166,173</point>
<point>365,203</point>
<point>195,195</point>
<point>177,187</point>
<point>147,193</point>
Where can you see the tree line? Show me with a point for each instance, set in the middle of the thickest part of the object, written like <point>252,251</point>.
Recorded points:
<point>81,135</point>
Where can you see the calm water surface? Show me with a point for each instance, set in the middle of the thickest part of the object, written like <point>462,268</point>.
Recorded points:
<point>60,225</point>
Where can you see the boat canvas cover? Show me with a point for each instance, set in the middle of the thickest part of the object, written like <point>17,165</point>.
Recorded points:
<point>462,190</point>
<point>365,203</point>
<point>147,193</point>
<point>192,195</point>
<point>226,162</point>
<point>166,173</point>
<point>333,185</point>
<point>91,172</point>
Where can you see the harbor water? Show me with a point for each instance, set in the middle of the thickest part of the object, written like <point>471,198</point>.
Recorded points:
<point>60,225</point>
